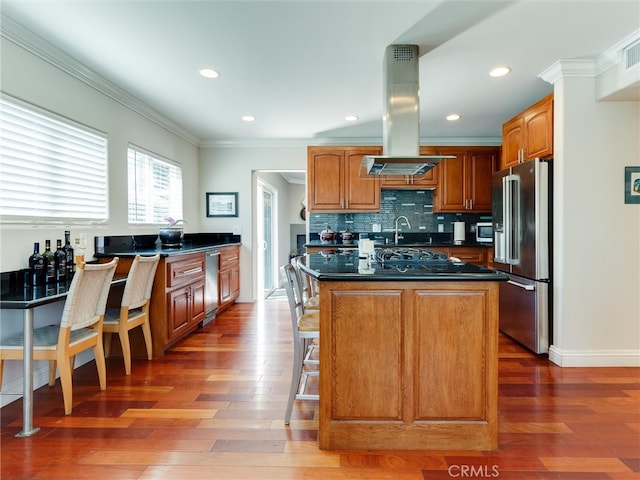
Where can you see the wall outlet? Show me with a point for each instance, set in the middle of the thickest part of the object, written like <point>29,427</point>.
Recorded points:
<point>237,230</point>
<point>376,227</point>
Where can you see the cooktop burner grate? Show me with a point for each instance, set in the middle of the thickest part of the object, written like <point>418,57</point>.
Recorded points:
<point>397,255</point>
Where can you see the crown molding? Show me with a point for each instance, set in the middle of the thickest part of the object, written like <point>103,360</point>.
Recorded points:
<point>29,41</point>
<point>568,68</point>
<point>342,141</point>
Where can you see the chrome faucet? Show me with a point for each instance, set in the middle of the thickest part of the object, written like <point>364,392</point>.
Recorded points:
<point>408,224</point>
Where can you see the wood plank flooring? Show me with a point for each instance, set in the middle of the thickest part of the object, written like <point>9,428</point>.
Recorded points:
<point>213,408</point>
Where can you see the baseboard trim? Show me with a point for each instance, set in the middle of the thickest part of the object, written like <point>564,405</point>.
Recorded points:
<point>594,358</point>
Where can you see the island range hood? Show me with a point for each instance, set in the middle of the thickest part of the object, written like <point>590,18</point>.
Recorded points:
<point>401,122</point>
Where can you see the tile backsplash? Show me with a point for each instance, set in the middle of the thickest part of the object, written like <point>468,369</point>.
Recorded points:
<point>416,205</point>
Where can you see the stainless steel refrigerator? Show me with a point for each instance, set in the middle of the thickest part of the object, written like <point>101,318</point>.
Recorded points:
<point>522,209</point>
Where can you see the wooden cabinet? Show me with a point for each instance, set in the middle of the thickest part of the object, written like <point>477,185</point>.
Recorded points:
<point>529,134</point>
<point>428,181</point>
<point>464,182</point>
<point>228,276</point>
<point>185,308</point>
<point>335,183</point>
<point>183,295</point>
<point>178,295</point>
<point>408,365</point>
<point>475,255</point>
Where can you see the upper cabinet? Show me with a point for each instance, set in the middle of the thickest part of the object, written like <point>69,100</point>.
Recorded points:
<point>529,134</point>
<point>464,183</point>
<point>428,180</point>
<point>335,183</point>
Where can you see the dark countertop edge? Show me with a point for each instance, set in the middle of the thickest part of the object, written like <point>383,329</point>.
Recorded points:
<point>490,275</point>
<point>166,252</point>
<point>401,245</point>
<point>360,277</point>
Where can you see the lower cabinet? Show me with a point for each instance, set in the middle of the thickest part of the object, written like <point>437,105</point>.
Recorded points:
<point>229,276</point>
<point>185,308</point>
<point>476,255</point>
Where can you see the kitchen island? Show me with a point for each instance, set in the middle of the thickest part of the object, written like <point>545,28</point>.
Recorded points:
<point>409,354</point>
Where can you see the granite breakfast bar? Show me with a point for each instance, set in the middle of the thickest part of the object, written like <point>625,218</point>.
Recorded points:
<point>409,354</point>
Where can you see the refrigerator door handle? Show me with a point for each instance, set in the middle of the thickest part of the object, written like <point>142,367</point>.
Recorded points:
<point>506,218</point>
<point>530,288</point>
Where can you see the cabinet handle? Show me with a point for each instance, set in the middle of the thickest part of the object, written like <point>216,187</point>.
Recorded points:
<point>192,270</point>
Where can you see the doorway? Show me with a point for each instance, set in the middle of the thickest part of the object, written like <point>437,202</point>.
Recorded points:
<point>267,232</point>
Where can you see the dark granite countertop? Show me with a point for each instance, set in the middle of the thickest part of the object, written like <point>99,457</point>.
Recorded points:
<point>132,245</point>
<point>410,244</point>
<point>344,265</point>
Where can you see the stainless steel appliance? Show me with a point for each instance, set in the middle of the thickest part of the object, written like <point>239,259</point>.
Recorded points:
<point>212,265</point>
<point>401,119</point>
<point>522,244</point>
<point>484,232</point>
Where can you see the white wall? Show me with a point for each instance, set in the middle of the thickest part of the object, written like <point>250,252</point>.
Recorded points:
<point>31,79</point>
<point>597,235</point>
<point>231,170</point>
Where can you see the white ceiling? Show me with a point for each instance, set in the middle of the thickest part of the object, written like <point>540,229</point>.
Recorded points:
<point>301,66</point>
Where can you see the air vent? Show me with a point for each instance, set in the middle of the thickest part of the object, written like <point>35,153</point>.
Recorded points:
<point>404,53</point>
<point>631,55</point>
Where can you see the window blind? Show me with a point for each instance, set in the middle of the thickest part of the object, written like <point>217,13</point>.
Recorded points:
<point>52,170</point>
<point>155,188</point>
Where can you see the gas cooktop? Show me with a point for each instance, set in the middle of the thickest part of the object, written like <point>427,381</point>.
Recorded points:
<point>409,256</point>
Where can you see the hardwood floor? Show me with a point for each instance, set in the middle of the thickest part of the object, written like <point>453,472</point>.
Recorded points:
<point>213,408</point>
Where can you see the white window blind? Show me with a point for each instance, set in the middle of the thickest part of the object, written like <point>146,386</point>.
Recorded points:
<point>155,188</point>
<point>52,170</point>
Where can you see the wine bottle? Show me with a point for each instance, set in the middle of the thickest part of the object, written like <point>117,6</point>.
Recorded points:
<point>61,262</point>
<point>68,249</point>
<point>79,253</point>
<point>49,263</point>
<point>36,266</point>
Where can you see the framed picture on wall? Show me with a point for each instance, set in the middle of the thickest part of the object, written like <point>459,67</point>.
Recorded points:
<point>222,204</point>
<point>631,184</point>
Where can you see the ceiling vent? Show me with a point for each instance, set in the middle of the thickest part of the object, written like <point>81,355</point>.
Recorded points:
<point>631,55</point>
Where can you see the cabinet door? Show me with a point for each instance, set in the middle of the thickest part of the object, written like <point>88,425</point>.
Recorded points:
<point>235,283</point>
<point>479,169</point>
<point>362,193</point>
<point>450,194</point>
<point>198,310</point>
<point>178,311</point>
<point>512,140</point>
<point>538,126</point>
<point>225,286</point>
<point>326,179</point>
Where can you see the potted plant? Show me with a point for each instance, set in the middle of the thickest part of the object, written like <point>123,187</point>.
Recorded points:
<point>172,234</point>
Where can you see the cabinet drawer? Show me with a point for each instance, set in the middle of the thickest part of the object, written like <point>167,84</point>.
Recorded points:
<point>185,269</point>
<point>229,256</point>
<point>476,256</point>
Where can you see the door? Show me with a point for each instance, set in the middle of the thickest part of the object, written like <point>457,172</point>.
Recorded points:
<point>531,227</point>
<point>266,239</point>
<point>524,312</point>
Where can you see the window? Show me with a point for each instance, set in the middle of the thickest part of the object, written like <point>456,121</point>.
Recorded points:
<point>155,188</point>
<point>52,170</point>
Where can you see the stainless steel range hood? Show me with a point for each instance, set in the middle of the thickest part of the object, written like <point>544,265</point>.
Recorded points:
<point>401,122</point>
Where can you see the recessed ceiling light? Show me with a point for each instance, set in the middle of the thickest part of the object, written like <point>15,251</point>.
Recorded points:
<point>499,71</point>
<point>453,117</point>
<point>248,118</point>
<point>209,73</point>
<point>351,118</point>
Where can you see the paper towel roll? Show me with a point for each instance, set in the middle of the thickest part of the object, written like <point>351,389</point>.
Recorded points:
<point>366,246</point>
<point>458,232</point>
